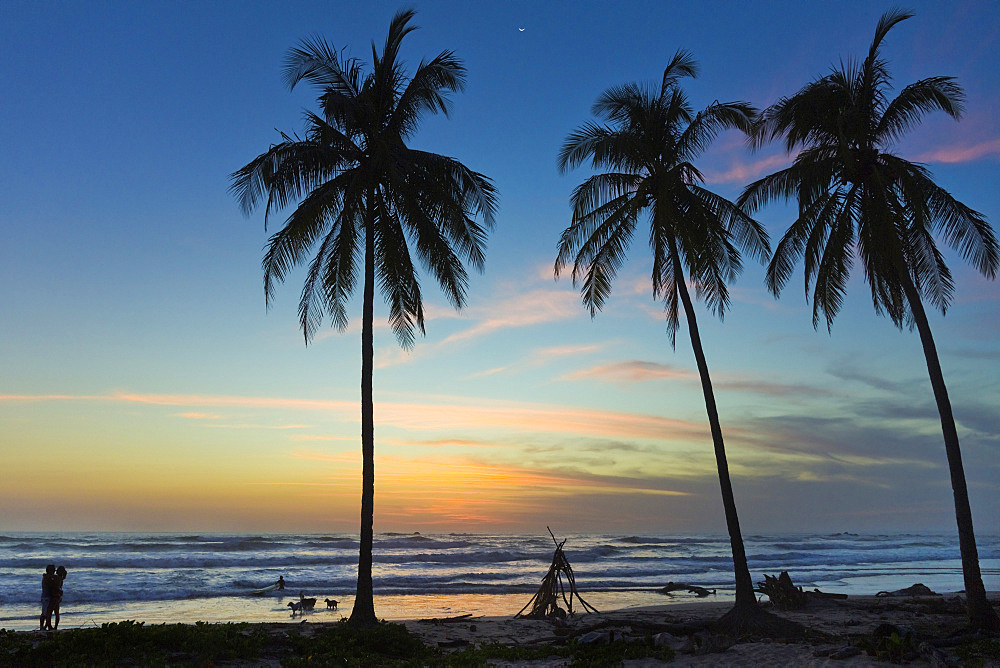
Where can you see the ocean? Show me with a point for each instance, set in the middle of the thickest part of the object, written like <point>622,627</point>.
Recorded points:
<point>209,577</point>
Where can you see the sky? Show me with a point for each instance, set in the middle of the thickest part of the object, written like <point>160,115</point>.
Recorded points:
<point>144,386</point>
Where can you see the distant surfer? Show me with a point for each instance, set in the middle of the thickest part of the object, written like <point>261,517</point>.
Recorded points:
<point>277,586</point>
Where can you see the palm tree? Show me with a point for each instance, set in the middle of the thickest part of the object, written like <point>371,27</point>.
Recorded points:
<point>854,195</point>
<point>361,192</point>
<point>648,145</point>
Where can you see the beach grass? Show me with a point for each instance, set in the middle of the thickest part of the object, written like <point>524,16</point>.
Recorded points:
<point>134,643</point>
<point>200,644</point>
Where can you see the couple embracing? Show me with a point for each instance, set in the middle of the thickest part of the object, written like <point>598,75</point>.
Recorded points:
<point>52,591</point>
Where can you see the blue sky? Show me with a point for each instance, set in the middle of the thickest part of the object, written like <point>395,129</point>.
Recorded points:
<point>143,385</point>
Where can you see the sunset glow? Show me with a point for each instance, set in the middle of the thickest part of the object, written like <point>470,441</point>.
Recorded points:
<point>144,385</point>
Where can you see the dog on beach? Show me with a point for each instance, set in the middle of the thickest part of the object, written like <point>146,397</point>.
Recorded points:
<point>296,606</point>
<point>330,605</point>
<point>306,603</point>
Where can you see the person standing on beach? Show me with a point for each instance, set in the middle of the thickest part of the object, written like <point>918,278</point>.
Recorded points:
<point>56,595</point>
<point>48,580</point>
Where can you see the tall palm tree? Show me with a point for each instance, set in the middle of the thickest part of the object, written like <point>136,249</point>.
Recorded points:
<point>854,195</point>
<point>648,143</point>
<point>363,194</point>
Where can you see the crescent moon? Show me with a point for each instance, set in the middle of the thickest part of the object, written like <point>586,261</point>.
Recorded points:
<point>520,29</point>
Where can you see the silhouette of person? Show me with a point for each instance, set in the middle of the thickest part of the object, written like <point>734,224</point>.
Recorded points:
<point>281,582</point>
<point>48,580</point>
<point>56,596</point>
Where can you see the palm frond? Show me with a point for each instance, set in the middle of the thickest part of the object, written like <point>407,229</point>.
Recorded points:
<point>682,64</point>
<point>646,146</point>
<point>330,278</point>
<point>885,24</point>
<point>397,276</point>
<point>963,228</point>
<point>603,146</point>
<point>318,62</point>
<point>399,28</point>
<point>747,233</point>
<point>808,117</point>
<point>620,104</point>
<point>354,173</point>
<point>929,272</point>
<point>908,108</point>
<point>709,122</point>
<point>833,270</point>
<point>426,92</point>
<point>312,219</point>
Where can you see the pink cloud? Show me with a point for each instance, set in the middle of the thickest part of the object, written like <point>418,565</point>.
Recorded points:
<point>238,402</point>
<point>488,372</point>
<point>564,351</point>
<point>632,370</point>
<point>10,398</point>
<point>515,416</point>
<point>957,154</point>
<point>746,172</point>
<point>639,371</point>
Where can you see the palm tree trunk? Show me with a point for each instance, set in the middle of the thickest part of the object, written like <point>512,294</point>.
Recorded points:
<point>744,585</point>
<point>363,613</point>
<point>981,614</point>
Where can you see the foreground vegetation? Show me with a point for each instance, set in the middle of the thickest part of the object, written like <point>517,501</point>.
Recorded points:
<point>130,643</point>
<point>136,644</point>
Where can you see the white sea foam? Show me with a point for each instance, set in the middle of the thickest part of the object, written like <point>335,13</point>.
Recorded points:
<point>152,574</point>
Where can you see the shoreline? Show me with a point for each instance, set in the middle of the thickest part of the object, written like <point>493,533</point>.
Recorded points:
<point>841,632</point>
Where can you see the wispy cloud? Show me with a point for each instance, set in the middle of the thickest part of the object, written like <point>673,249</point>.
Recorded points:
<point>533,307</point>
<point>745,172</point>
<point>847,372</point>
<point>447,474</point>
<point>488,372</point>
<point>233,401</point>
<point>279,427</point>
<point>197,416</point>
<point>541,357</point>
<point>769,389</point>
<point>530,308</point>
<point>631,371</point>
<point>565,351</point>
<point>958,154</point>
<point>16,398</point>
<point>507,416</point>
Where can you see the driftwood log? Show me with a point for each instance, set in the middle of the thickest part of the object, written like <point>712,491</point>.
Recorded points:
<point>786,596</point>
<point>545,603</point>
<point>448,620</point>
<point>783,594</point>
<point>679,586</point>
<point>918,589</point>
<point>822,594</point>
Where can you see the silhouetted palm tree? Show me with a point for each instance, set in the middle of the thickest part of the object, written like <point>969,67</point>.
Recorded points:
<point>362,194</point>
<point>649,142</point>
<point>855,196</point>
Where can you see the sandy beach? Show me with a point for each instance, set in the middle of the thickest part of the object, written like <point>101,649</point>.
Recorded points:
<point>856,631</point>
<point>836,629</point>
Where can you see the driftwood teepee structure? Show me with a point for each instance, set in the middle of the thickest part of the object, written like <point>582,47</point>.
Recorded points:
<point>545,602</point>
